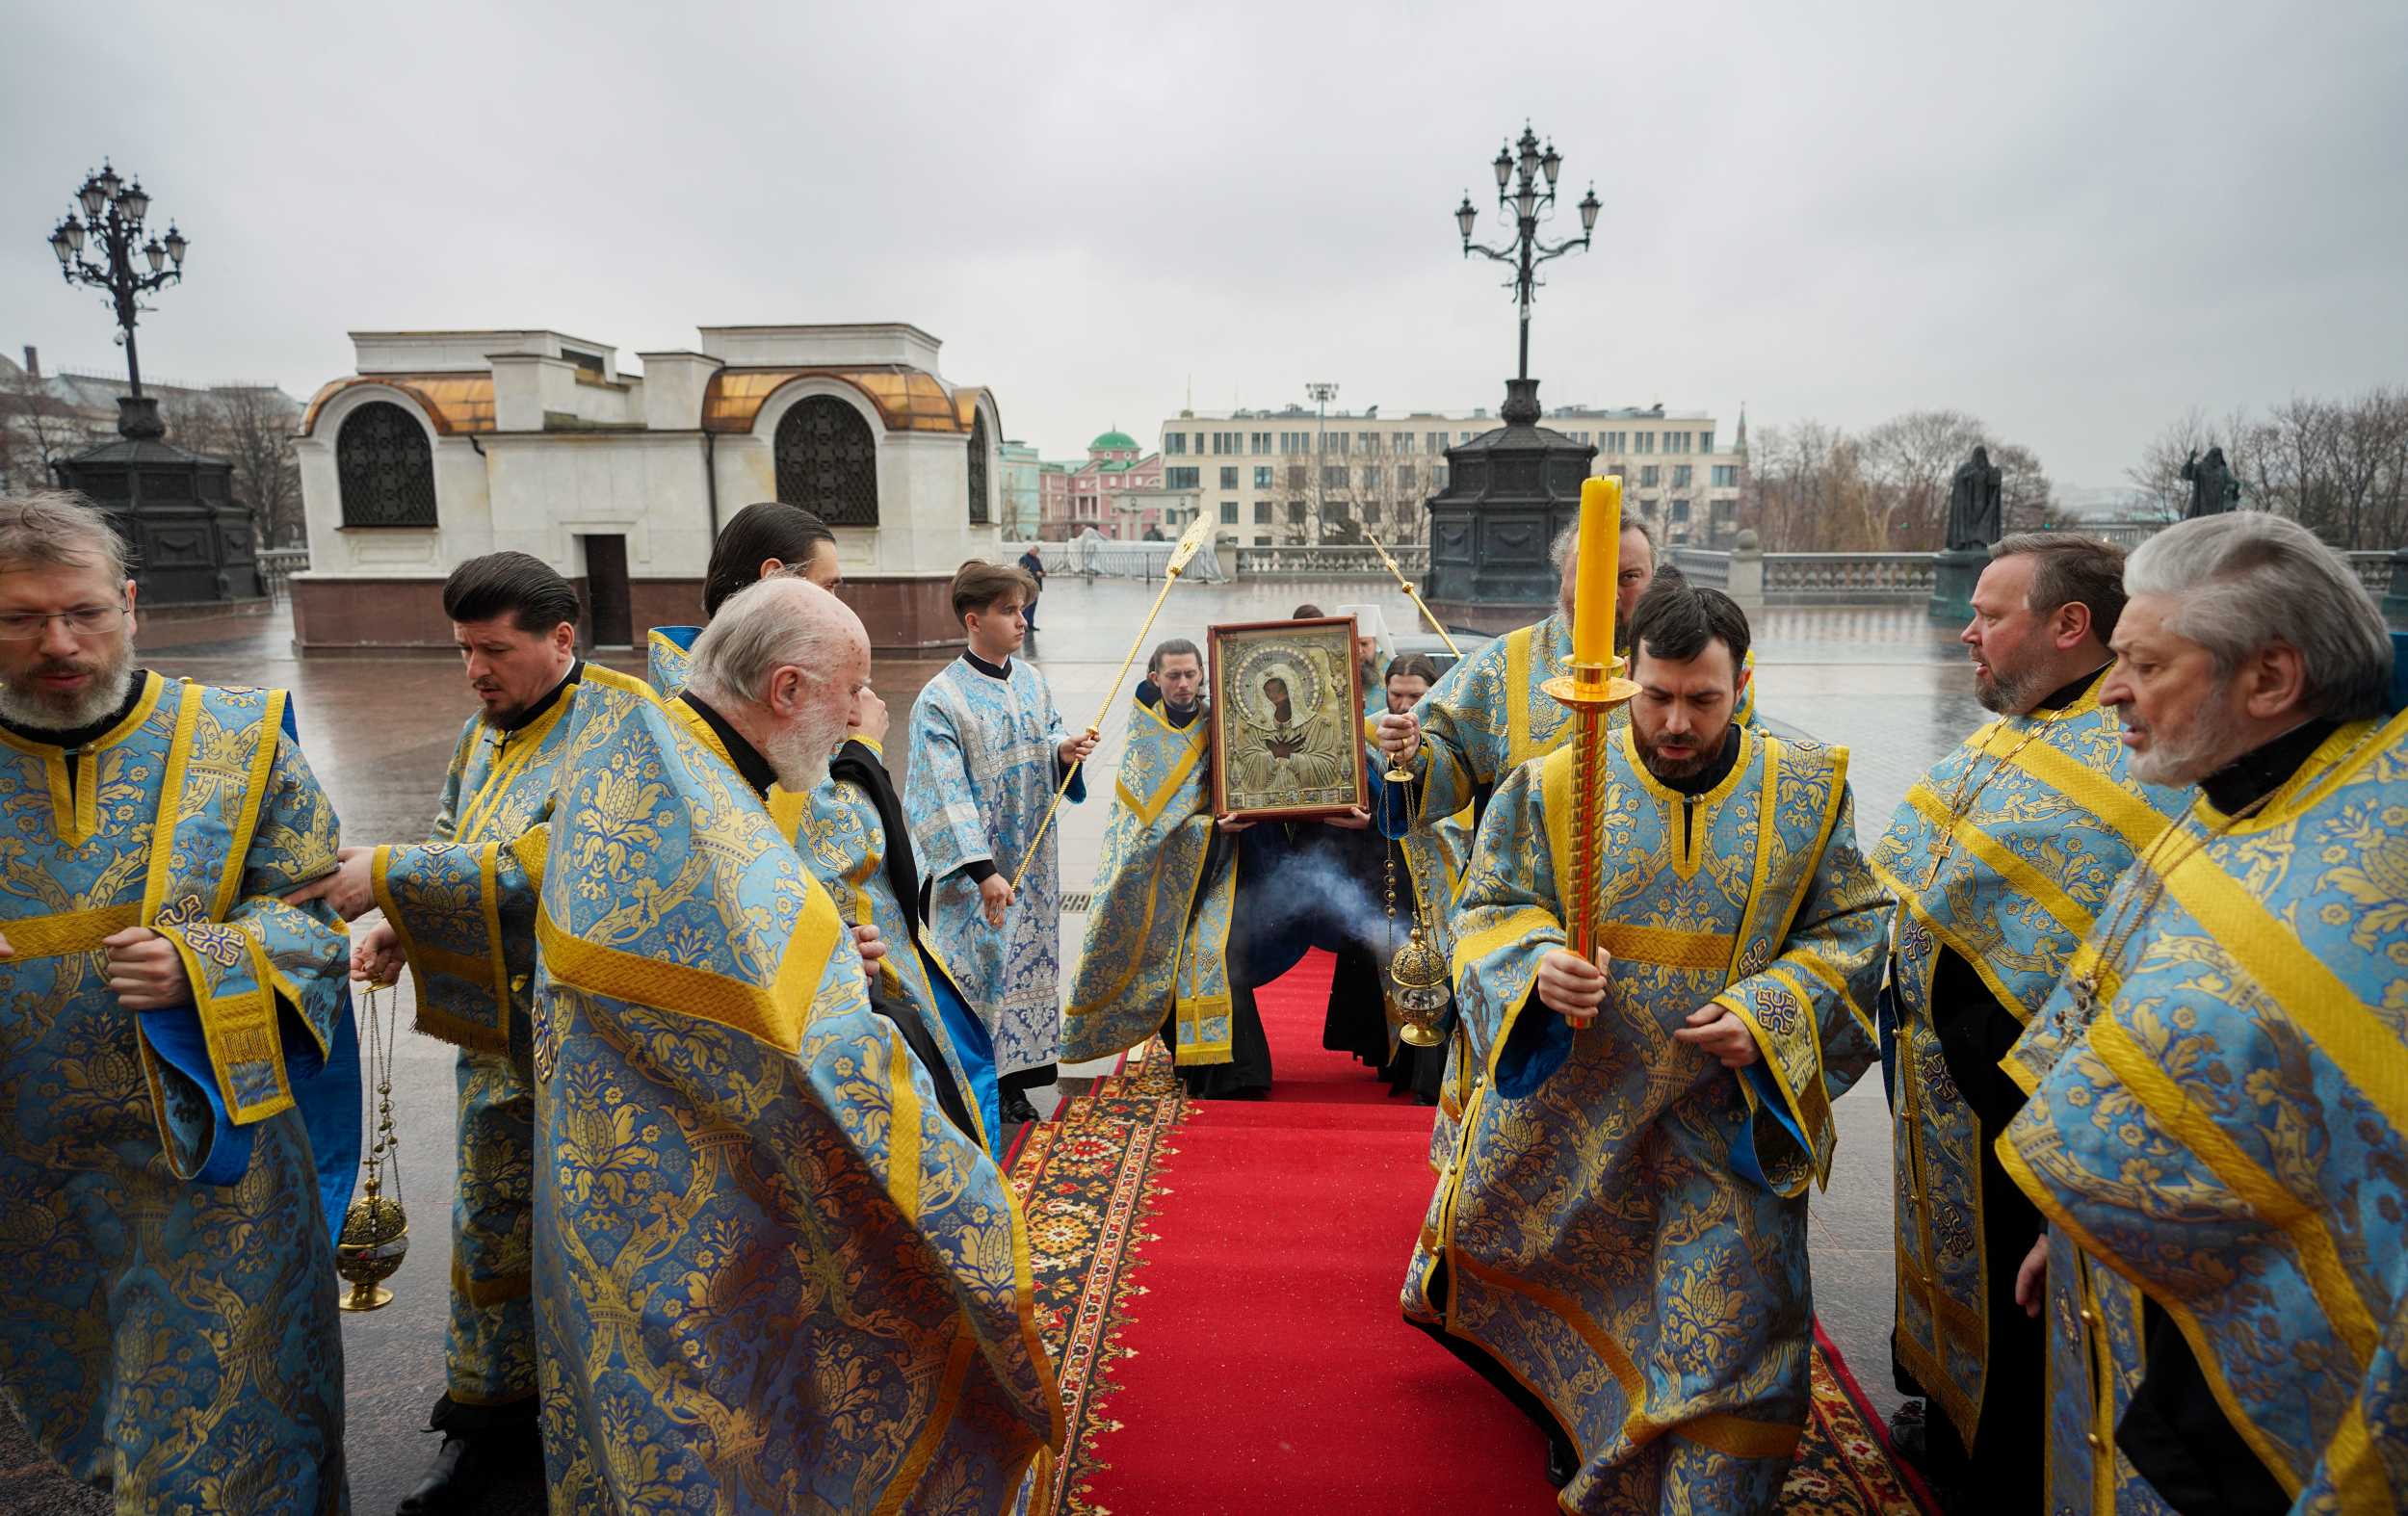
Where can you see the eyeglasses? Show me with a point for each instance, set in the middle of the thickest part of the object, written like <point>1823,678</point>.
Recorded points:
<point>28,626</point>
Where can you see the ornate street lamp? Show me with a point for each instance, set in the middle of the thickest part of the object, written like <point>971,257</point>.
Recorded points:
<point>1526,192</point>
<point>113,211</point>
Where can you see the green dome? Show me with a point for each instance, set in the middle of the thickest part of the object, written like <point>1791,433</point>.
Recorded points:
<point>1112,442</point>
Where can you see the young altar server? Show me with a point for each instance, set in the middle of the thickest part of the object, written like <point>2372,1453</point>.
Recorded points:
<point>988,751</point>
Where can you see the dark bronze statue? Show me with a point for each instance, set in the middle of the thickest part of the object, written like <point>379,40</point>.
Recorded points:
<point>2214,490</point>
<point>1975,515</point>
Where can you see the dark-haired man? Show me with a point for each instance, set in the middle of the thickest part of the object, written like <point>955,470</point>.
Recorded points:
<point>988,751</point>
<point>1170,946</point>
<point>1998,859</point>
<point>1622,1250</point>
<point>460,910</point>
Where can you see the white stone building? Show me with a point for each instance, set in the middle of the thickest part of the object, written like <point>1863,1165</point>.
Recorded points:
<point>445,445</point>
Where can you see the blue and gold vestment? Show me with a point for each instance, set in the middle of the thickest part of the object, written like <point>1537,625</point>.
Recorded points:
<point>2001,855</point>
<point>668,657</point>
<point>2218,1116</point>
<point>463,908</point>
<point>1158,929</point>
<point>1487,715</point>
<point>769,1275</point>
<point>848,830</point>
<point>980,775</point>
<point>1624,1224</point>
<point>167,1261</point>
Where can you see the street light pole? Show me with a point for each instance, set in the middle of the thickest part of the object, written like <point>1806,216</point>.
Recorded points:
<point>1322,393</point>
<point>1526,191</point>
<point>114,209</point>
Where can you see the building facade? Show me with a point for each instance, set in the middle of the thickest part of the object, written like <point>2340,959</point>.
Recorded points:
<point>1112,492</point>
<point>1022,498</point>
<point>1294,477</point>
<point>445,445</point>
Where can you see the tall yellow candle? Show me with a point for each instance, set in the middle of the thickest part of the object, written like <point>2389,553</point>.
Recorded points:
<point>1599,573</point>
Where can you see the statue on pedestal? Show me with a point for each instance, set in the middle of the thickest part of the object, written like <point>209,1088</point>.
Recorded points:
<point>1975,518</point>
<point>2214,490</point>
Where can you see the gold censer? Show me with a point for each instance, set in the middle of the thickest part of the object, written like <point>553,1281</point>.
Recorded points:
<point>376,1229</point>
<point>1416,974</point>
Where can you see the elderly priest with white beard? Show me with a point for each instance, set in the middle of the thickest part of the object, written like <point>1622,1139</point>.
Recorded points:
<point>2217,1128</point>
<point>772,1273</point>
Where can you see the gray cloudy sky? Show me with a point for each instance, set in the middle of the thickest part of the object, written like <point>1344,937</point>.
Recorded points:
<point>2073,220</point>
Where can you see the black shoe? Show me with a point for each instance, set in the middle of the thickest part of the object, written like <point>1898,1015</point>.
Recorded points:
<point>1017,1109</point>
<point>467,1467</point>
<point>1908,1438</point>
<point>1562,1463</point>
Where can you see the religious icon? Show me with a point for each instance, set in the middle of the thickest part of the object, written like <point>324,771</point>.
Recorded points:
<point>1287,719</point>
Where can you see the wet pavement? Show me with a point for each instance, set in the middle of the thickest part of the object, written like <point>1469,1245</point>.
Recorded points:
<point>379,730</point>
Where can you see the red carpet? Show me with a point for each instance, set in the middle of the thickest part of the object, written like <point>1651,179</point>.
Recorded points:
<point>1268,1368</point>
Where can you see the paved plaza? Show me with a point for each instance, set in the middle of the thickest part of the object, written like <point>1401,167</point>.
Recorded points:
<point>1887,682</point>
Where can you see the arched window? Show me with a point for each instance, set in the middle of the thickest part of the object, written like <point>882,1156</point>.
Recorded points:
<point>978,513</point>
<point>827,461</point>
<point>384,468</point>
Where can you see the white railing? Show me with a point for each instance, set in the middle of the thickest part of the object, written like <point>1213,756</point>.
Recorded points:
<point>1703,566</point>
<point>276,567</point>
<point>1328,560</point>
<point>1846,578</point>
<point>2374,571</point>
<point>1105,558</point>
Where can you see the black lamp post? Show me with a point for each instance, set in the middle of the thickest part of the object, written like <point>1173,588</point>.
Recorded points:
<point>1526,191</point>
<point>113,211</point>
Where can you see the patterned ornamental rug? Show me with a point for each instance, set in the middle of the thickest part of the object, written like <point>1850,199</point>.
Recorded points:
<point>1090,1181</point>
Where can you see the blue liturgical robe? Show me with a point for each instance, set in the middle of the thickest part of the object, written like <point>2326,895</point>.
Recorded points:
<point>463,908</point>
<point>1623,1226</point>
<point>979,777</point>
<point>771,1276</point>
<point>167,1262</point>
<point>2219,1126</point>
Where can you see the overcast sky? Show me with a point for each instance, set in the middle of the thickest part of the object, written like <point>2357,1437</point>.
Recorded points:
<point>2074,221</point>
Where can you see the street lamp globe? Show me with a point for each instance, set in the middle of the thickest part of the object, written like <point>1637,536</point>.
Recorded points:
<point>157,254</point>
<point>109,181</point>
<point>1550,162</point>
<point>74,231</point>
<point>1464,216</point>
<point>58,243</point>
<point>1504,168</point>
<point>95,195</point>
<point>176,243</point>
<point>134,202</point>
<point>1589,206</point>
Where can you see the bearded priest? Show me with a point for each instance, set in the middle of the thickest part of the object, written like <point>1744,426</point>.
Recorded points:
<point>1671,1099</point>
<point>775,1269</point>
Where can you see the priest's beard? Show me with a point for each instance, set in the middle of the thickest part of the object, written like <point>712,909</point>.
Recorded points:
<point>2008,696</point>
<point>800,750</point>
<point>2177,755</point>
<point>1689,763</point>
<point>112,670</point>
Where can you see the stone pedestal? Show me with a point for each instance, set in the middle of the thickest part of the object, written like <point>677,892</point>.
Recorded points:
<point>1509,492</point>
<point>192,542</point>
<point>1954,574</point>
<point>2396,596</point>
<point>1747,572</point>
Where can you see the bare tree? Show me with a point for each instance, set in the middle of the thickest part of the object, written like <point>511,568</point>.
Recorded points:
<point>2027,499</point>
<point>2163,494</point>
<point>1913,458</point>
<point>251,426</point>
<point>37,429</point>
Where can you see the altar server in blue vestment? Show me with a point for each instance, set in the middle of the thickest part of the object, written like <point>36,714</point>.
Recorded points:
<point>766,538</point>
<point>1621,1245</point>
<point>988,751</point>
<point>178,1074</point>
<point>2000,859</point>
<point>2217,1128</point>
<point>776,1270</point>
<point>460,911</point>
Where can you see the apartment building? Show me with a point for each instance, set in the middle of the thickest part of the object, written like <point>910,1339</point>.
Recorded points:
<point>1296,476</point>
